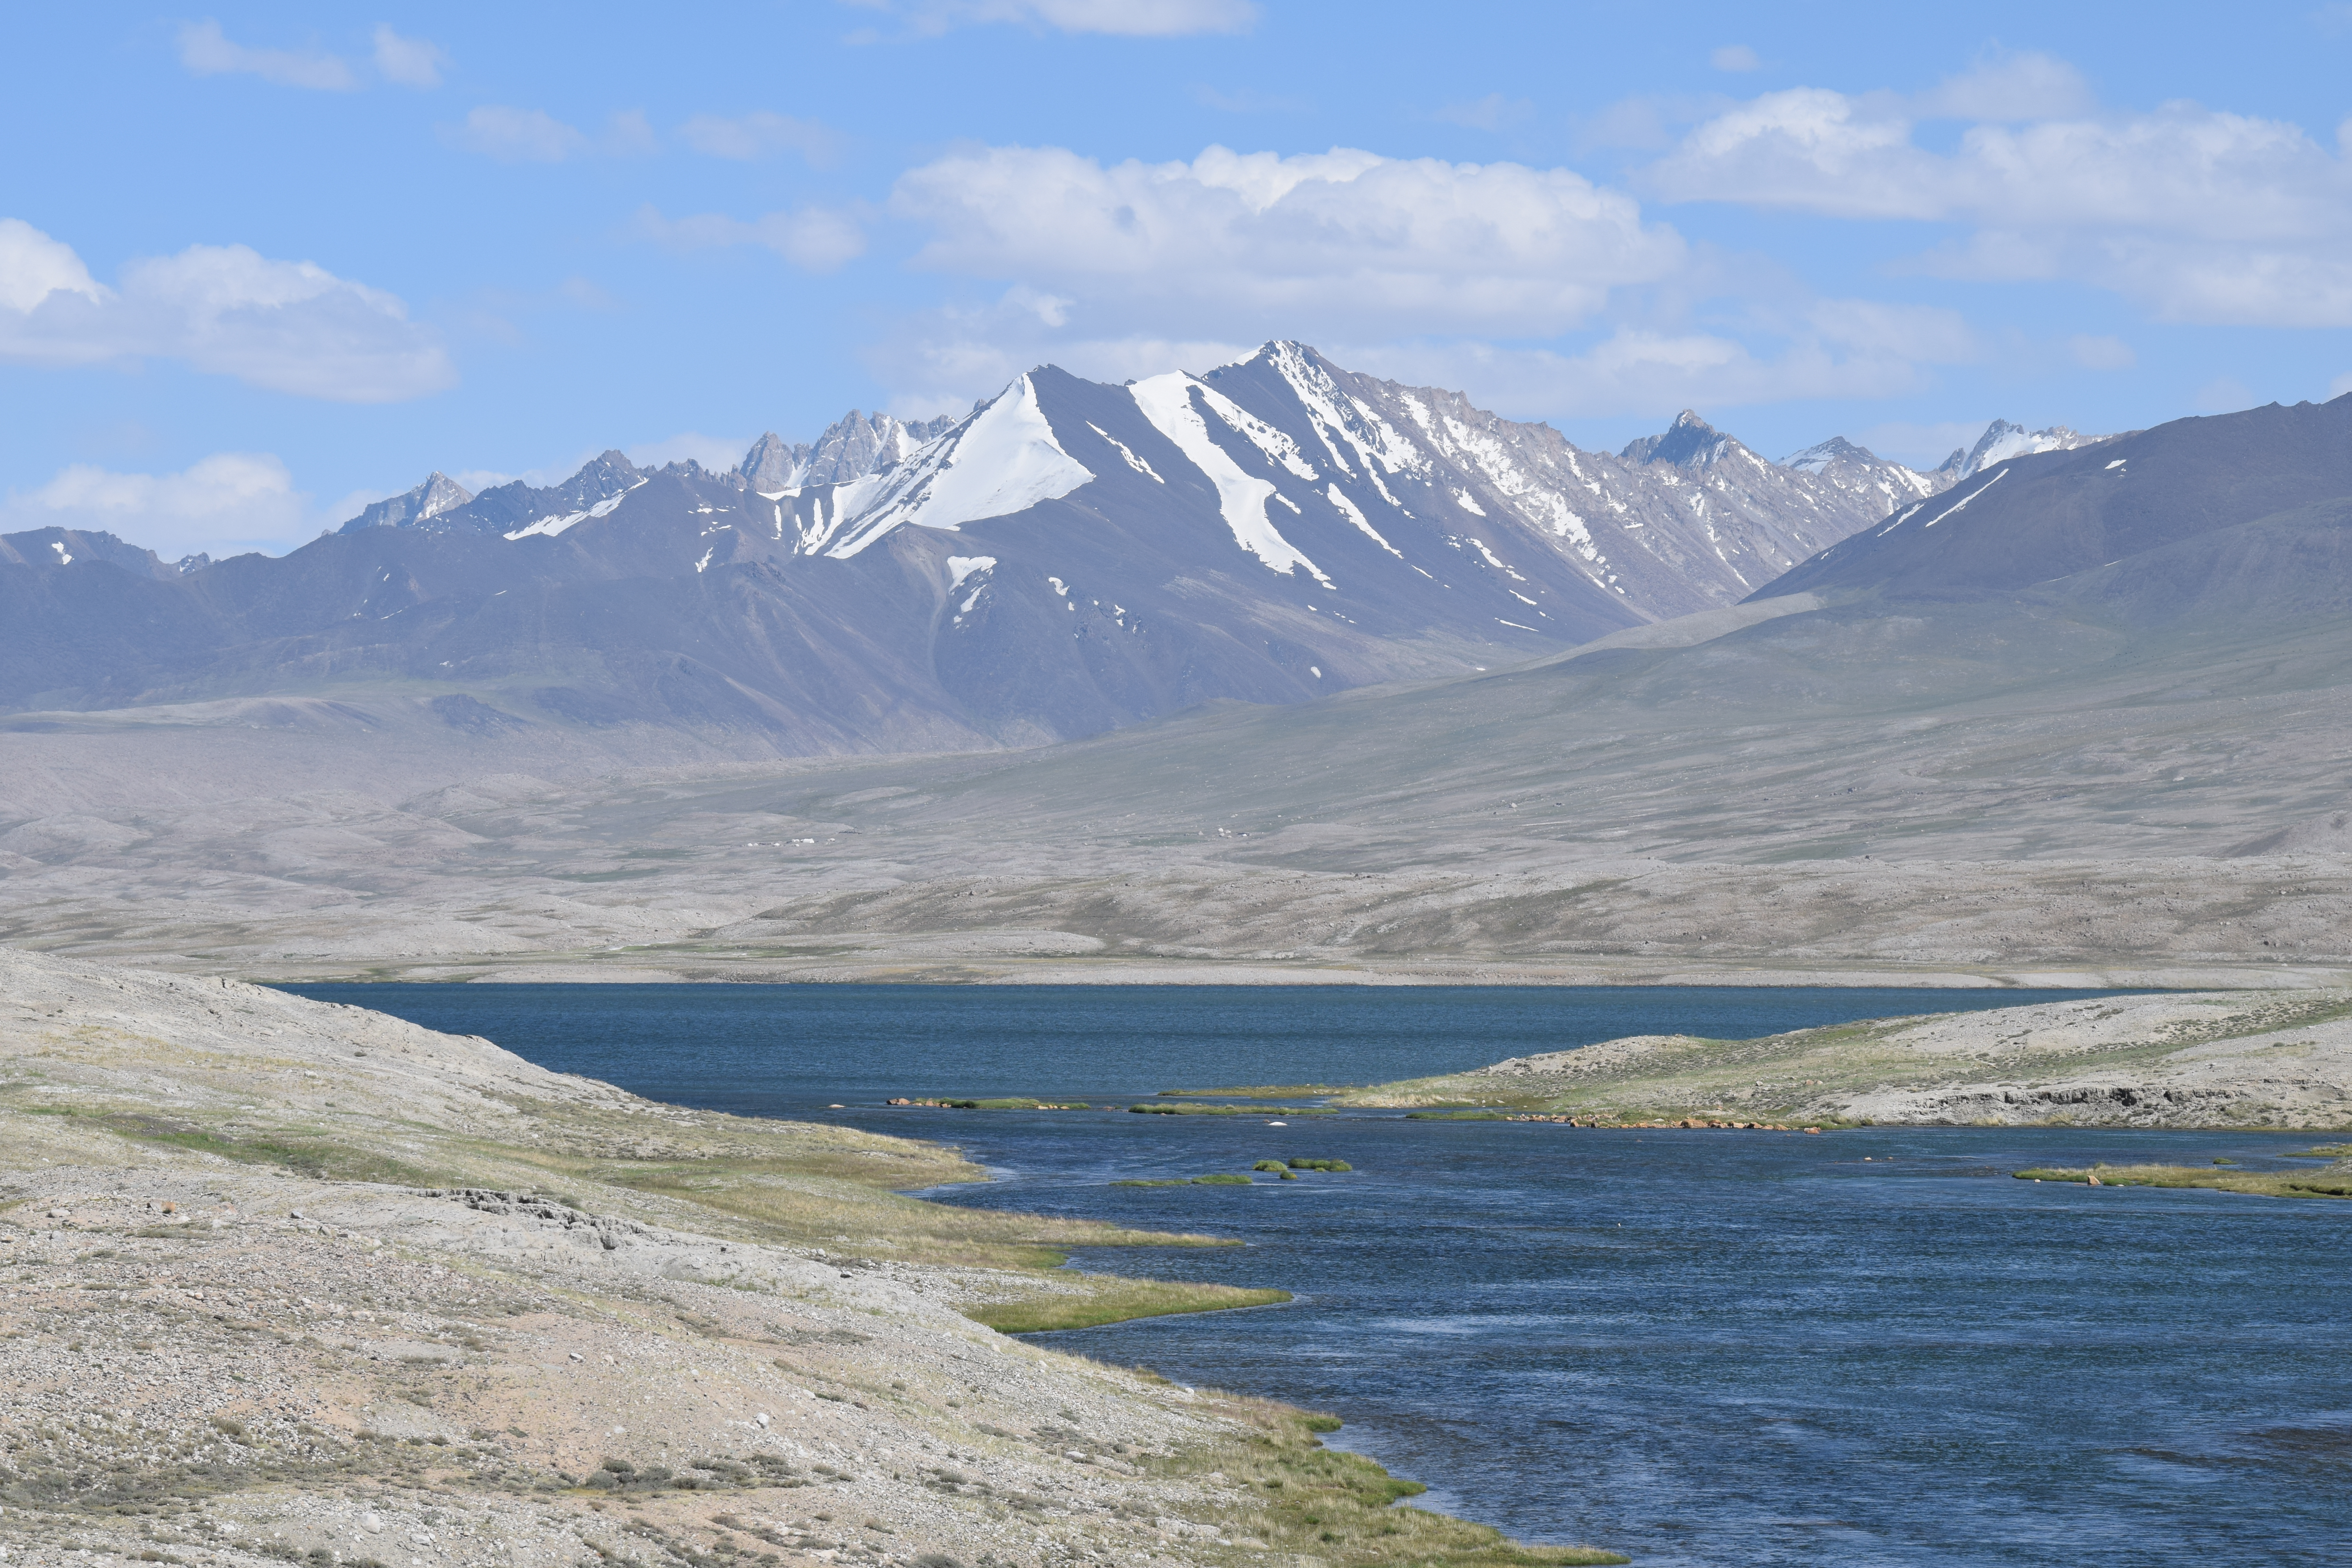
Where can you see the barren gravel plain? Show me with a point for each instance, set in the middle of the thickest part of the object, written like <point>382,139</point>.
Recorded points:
<point>282,1282</point>
<point>1992,796</point>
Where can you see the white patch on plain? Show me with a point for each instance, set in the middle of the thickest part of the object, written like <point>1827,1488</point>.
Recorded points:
<point>2118,463</point>
<point>962,566</point>
<point>1469,504</point>
<point>1168,401</point>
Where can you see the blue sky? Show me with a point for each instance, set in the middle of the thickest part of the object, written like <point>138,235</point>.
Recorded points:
<point>262,263</point>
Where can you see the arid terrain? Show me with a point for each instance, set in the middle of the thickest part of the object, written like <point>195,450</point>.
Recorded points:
<point>287,1282</point>
<point>2277,1060</point>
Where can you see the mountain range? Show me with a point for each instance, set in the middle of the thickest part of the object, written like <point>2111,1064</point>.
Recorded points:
<point>1070,557</point>
<point>2079,717</point>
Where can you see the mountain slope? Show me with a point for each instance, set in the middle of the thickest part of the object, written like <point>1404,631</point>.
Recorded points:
<point>1068,558</point>
<point>2042,515</point>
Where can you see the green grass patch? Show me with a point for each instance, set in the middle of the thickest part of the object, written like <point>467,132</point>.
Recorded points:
<point>1310,1502</point>
<point>1253,1092</point>
<point>1108,1300</point>
<point>1178,1110</point>
<point>1304,1164</point>
<point>2263,1183</point>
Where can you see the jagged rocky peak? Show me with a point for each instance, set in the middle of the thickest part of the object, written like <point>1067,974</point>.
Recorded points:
<point>2002,440</point>
<point>771,462</point>
<point>438,494</point>
<point>856,445</point>
<point>852,446</point>
<point>1689,442</point>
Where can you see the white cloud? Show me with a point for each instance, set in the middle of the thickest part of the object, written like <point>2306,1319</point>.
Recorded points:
<point>2010,87</point>
<point>1639,372</point>
<point>629,134</point>
<point>1130,18</point>
<point>2200,214</point>
<point>223,505</point>
<point>204,51</point>
<point>760,134</point>
<point>2101,353</point>
<point>33,267</point>
<point>411,62</point>
<point>290,326</point>
<point>814,239</point>
<point>1734,58</point>
<point>516,135</point>
<point>1319,242</point>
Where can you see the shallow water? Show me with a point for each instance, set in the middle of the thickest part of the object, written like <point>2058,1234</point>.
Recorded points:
<point>1711,1348</point>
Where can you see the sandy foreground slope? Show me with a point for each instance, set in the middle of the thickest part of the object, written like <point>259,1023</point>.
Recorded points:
<point>2280,1059</point>
<point>286,1281</point>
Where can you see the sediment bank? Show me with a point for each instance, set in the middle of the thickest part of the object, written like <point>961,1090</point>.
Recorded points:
<point>292,1281</point>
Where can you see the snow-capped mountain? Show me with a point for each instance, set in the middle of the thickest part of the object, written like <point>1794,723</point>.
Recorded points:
<point>1306,463</point>
<point>2002,441</point>
<point>1068,557</point>
<point>1863,472</point>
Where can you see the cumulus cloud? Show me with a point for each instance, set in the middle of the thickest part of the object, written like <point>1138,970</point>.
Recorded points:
<point>1130,18</point>
<point>760,134</point>
<point>2200,214</point>
<point>205,50</point>
<point>1313,243</point>
<point>514,135</point>
<point>411,62</point>
<point>2101,353</point>
<point>223,505</point>
<point>290,326</point>
<point>1833,349</point>
<point>815,239</point>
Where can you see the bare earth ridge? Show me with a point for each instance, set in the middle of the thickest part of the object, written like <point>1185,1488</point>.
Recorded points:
<point>288,1282</point>
<point>2197,1059</point>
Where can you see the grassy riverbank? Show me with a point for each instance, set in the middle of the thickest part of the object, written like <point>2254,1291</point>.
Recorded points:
<point>2334,1182</point>
<point>291,1279</point>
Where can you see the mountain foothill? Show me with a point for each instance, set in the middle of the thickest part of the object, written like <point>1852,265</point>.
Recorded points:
<point>1280,664</point>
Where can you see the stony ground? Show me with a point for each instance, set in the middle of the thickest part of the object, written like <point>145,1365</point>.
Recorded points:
<point>2175,817</point>
<point>2271,1060</point>
<point>232,1334</point>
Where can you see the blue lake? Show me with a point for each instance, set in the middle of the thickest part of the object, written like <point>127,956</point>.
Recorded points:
<point>1869,1347</point>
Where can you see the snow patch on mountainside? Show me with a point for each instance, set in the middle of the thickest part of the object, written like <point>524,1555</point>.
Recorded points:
<point>1004,459</point>
<point>549,526</point>
<point>1170,403</point>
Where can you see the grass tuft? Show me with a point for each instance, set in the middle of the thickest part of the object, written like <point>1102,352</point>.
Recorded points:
<point>1113,1300</point>
<point>2263,1183</point>
<point>1339,1509</point>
